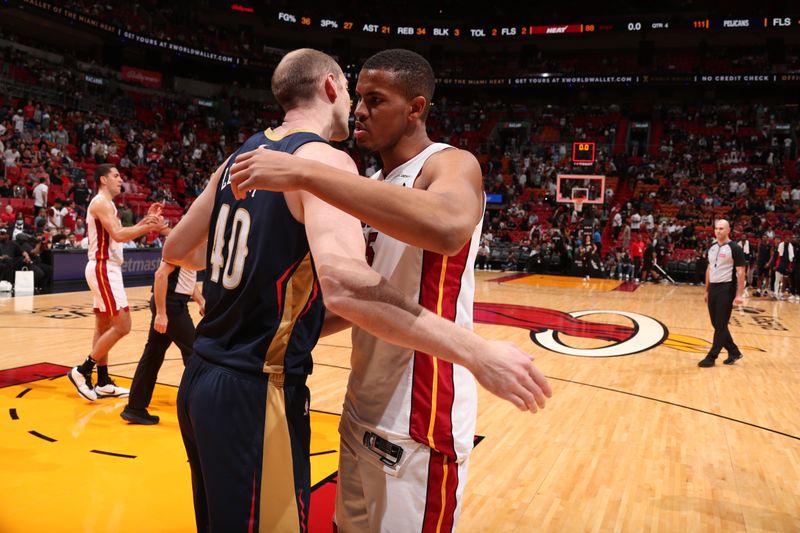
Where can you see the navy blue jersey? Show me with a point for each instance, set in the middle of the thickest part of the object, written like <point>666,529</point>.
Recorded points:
<point>264,309</point>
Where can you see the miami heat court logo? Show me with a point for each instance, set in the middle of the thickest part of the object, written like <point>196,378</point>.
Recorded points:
<point>547,326</point>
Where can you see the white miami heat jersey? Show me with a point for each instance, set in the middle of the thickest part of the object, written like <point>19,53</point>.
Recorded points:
<point>101,245</point>
<point>401,393</point>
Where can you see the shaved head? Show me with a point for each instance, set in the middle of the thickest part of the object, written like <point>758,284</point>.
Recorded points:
<point>722,229</point>
<point>297,77</point>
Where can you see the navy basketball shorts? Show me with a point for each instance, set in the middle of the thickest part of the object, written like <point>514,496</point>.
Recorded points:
<point>247,437</point>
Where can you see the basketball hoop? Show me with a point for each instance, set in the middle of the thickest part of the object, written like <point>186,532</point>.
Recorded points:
<point>580,190</point>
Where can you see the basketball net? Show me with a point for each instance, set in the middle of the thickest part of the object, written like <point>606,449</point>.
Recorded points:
<point>578,203</point>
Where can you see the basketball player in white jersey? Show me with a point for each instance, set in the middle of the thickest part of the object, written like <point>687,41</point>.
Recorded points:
<point>409,417</point>
<point>348,286</point>
<point>104,276</point>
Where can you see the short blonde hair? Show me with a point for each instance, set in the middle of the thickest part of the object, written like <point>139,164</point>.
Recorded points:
<point>296,77</point>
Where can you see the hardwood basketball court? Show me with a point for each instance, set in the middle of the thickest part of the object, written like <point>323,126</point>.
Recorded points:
<point>640,439</point>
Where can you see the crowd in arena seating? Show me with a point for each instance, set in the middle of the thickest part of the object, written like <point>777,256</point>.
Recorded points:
<point>166,145</point>
<point>663,192</point>
<point>714,162</point>
<point>707,162</point>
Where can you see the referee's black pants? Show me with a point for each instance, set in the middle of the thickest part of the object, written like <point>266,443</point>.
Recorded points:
<point>720,306</point>
<point>796,280</point>
<point>180,330</point>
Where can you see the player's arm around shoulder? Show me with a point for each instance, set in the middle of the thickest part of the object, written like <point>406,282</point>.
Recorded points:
<point>355,292</point>
<point>454,176</point>
<point>438,214</point>
<point>328,228</point>
<point>334,237</point>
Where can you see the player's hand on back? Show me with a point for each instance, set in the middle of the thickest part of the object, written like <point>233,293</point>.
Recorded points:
<point>263,169</point>
<point>509,373</point>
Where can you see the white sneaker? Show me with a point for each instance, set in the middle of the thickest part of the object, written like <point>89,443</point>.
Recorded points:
<point>111,390</point>
<point>83,384</point>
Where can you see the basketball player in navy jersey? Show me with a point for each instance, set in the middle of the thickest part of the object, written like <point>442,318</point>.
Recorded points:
<point>409,417</point>
<point>243,403</point>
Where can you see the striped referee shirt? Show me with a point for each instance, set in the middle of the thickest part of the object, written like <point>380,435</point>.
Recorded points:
<point>723,260</point>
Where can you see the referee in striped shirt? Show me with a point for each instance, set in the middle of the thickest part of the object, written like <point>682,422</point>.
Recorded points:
<point>724,287</point>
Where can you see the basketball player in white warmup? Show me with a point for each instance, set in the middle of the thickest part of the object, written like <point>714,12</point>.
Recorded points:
<point>409,418</point>
<point>104,276</point>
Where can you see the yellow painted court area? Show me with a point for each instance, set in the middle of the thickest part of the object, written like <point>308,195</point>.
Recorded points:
<point>566,282</point>
<point>642,441</point>
<point>64,486</point>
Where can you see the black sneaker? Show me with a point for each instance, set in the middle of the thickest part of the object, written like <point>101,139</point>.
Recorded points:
<point>139,417</point>
<point>707,362</point>
<point>732,359</point>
